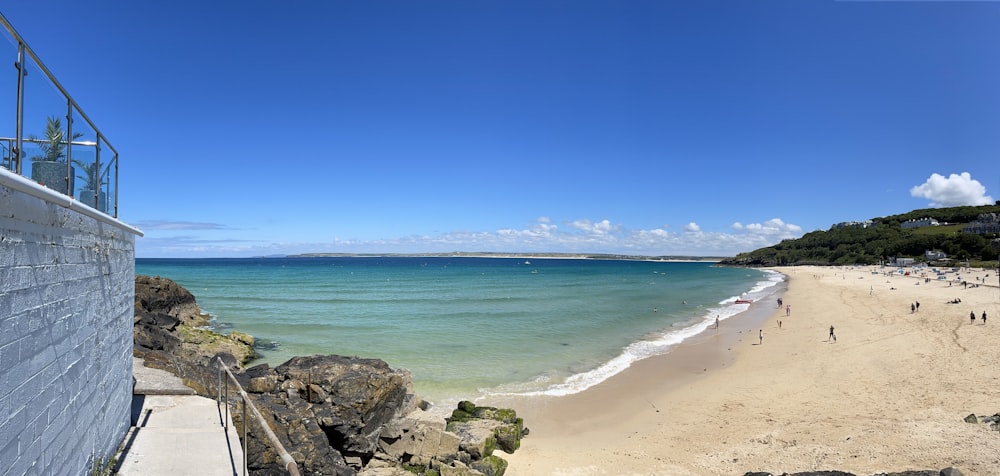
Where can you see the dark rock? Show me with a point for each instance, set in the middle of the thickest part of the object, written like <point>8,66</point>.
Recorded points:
<point>162,295</point>
<point>151,337</point>
<point>951,471</point>
<point>971,418</point>
<point>758,473</point>
<point>823,473</point>
<point>927,472</point>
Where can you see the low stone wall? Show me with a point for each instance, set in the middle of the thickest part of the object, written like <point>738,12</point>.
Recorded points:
<point>66,311</point>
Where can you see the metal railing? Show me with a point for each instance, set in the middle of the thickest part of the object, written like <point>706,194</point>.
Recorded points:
<point>286,459</point>
<point>58,148</point>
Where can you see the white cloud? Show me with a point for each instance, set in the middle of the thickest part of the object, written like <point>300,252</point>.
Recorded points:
<point>953,191</point>
<point>772,227</point>
<point>580,236</point>
<point>602,227</point>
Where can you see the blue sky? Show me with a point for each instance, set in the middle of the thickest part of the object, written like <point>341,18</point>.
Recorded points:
<point>645,127</point>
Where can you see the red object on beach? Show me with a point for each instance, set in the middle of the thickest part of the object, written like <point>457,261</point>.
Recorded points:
<point>743,301</point>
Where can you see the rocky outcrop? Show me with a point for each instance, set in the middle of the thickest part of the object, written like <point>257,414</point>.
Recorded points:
<point>993,420</point>
<point>168,320</point>
<point>334,415</point>
<point>164,296</point>
<point>348,415</point>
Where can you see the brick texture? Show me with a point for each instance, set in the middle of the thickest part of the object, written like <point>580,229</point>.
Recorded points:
<point>66,303</point>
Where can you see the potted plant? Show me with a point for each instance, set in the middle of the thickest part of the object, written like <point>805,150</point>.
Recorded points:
<point>50,168</point>
<point>94,178</point>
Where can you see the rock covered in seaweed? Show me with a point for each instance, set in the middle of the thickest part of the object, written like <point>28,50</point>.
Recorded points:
<point>169,320</point>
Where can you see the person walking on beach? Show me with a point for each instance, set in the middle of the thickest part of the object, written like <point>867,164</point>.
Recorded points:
<point>912,308</point>
<point>760,335</point>
<point>972,317</point>
<point>832,336</point>
<point>918,306</point>
<point>717,321</point>
<point>788,310</point>
<point>984,318</point>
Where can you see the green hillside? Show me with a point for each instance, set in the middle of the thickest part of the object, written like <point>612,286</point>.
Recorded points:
<point>882,240</point>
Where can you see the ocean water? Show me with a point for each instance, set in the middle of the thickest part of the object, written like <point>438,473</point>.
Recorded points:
<point>468,327</point>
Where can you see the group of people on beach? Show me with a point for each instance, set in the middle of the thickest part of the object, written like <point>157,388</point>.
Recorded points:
<point>972,317</point>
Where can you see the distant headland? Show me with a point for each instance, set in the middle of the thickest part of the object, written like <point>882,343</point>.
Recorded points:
<point>491,254</point>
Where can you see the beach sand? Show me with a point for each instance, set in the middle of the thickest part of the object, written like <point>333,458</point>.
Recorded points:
<point>890,395</point>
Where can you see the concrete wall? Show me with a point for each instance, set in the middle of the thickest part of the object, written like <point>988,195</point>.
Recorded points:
<point>66,305</point>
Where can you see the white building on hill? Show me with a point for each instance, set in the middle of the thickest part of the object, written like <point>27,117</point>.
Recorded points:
<point>919,223</point>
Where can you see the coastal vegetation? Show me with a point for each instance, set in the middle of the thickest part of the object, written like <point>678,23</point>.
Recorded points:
<point>884,238</point>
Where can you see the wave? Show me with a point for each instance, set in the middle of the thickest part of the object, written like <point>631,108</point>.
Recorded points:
<point>654,345</point>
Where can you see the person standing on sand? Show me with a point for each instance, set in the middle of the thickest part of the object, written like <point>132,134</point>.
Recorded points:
<point>717,321</point>
<point>918,306</point>
<point>760,335</point>
<point>912,308</point>
<point>984,318</point>
<point>788,310</point>
<point>972,317</point>
<point>832,336</point>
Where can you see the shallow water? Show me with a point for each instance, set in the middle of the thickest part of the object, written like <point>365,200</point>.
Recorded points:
<point>468,326</point>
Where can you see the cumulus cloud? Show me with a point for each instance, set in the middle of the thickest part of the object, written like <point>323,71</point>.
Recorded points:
<point>737,225</point>
<point>952,191</point>
<point>602,227</point>
<point>692,227</point>
<point>772,227</point>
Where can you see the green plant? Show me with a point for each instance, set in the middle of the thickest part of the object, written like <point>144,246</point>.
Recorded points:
<point>93,176</point>
<point>102,467</point>
<point>53,145</point>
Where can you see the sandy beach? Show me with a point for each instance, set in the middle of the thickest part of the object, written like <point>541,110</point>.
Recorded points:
<point>891,393</point>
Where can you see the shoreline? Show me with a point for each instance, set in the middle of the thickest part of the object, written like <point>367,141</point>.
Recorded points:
<point>890,396</point>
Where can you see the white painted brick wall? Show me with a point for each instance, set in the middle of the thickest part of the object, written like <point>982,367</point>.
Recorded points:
<point>67,290</point>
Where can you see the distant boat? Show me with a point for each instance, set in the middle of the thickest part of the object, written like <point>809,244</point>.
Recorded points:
<point>744,301</point>
<point>534,271</point>
<point>527,262</point>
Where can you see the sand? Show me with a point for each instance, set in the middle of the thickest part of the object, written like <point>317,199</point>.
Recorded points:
<point>890,395</point>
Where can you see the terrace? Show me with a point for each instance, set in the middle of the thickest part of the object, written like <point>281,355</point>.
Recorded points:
<point>51,140</point>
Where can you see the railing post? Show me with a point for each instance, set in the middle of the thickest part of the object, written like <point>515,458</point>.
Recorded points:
<point>19,127</point>
<point>226,422</point>
<point>245,422</point>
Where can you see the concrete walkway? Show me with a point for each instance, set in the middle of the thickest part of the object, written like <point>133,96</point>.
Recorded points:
<point>175,432</point>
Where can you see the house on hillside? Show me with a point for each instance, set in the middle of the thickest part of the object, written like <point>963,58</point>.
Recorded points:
<point>919,223</point>
<point>985,223</point>
<point>933,255</point>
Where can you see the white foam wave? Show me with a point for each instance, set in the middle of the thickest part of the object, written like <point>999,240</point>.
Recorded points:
<point>656,345</point>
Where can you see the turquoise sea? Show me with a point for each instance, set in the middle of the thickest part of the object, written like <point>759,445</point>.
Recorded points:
<point>467,327</point>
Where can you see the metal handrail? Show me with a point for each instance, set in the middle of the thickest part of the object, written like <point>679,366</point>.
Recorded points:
<point>289,463</point>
